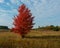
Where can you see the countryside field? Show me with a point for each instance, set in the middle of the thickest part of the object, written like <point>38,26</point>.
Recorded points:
<point>34,39</point>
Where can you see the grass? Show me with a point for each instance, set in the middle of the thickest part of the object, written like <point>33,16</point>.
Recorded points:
<point>35,39</point>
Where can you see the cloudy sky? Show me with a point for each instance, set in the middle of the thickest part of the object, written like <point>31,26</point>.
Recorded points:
<point>46,12</point>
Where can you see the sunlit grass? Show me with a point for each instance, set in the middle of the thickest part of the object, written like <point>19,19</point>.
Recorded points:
<point>13,40</point>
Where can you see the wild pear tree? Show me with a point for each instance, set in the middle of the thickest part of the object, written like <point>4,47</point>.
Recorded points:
<point>23,22</point>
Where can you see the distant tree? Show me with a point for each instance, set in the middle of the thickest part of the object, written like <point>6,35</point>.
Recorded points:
<point>23,22</point>
<point>52,27</point>
<point>38,27</point>
<point>56,28</point>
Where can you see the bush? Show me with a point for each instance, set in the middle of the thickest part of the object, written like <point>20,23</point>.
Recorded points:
<point>51,27</point>
<point>56,28</point>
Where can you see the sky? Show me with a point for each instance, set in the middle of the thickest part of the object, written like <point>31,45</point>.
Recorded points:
<point>46,12</point>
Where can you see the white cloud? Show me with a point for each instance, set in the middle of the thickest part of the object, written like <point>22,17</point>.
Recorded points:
<point>15,2</point>
<point>1,1</point>
<point>39,8</point>
<point>45,8</point>
<point>12,1</point>
<point>6,17</point>
<point>8,4</point>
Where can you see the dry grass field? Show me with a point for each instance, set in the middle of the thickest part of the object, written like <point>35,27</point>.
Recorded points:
<point>34,39</point>
<point>43,33</point>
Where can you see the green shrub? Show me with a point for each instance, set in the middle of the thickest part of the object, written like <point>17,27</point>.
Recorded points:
<point>51,27</point>
<point>56,28</point>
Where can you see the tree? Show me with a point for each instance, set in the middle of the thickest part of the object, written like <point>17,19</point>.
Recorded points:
<point>56,28</point>
<point>23,22</point>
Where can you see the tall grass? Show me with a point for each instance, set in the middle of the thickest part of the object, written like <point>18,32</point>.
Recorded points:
<point>12,40</point>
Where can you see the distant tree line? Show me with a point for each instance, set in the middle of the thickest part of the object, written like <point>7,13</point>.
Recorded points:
<point>51,27</point>
<point>4,27</point>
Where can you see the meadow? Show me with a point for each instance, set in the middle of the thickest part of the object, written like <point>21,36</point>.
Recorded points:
<point>34,39</point>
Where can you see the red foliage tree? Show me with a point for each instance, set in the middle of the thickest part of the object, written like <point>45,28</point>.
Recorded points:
<point>23,22</point>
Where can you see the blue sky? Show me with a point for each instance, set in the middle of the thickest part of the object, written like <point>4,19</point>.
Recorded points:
<point>46,12</point>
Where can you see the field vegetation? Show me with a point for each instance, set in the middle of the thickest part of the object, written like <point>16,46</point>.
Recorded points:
<point>35,39</point>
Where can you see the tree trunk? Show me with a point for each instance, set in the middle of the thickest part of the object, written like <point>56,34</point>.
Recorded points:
<point>23,36</point>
